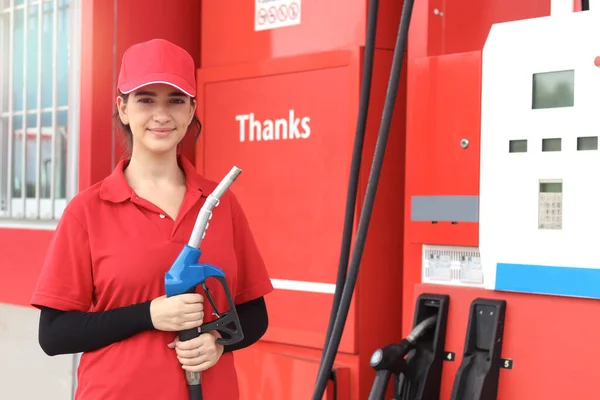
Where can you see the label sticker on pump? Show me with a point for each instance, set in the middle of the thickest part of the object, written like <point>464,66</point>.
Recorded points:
<point>271,14</point>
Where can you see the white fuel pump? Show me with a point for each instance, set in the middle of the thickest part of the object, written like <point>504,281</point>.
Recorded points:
<point>540,122</point>
<point>539,155</point>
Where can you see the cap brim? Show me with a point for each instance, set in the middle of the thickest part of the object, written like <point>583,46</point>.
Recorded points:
<point>168,79</point>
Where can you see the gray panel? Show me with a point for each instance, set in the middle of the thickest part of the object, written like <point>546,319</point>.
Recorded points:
<point>26,372</point>
<point>445,208</point>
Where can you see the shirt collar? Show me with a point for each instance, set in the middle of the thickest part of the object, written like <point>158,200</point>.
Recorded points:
<point>116,189</point>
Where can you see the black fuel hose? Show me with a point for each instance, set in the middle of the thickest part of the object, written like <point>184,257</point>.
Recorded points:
<point>359,138</point>
<point>365,217</point>
<point>193,379</point>
<point>380,384</point>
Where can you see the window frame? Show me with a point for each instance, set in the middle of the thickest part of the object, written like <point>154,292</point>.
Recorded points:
<point>14,216</point>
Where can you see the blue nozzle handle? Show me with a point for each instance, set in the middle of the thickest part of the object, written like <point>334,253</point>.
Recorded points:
<point>186,274</point>
<point>183,277</point>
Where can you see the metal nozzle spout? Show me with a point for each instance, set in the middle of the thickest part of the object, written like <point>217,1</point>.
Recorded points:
<point>222,187</point>
<point>211,202</point>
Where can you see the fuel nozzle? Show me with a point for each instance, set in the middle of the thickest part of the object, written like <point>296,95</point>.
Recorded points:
<point>390,359</point>
<point>186,273</point>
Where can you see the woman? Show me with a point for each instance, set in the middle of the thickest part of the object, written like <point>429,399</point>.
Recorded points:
<point>101,288</point>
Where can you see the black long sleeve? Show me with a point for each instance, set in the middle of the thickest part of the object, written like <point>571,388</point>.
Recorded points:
<point>68,332</point>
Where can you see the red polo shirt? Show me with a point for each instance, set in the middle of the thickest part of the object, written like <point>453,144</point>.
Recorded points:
<point>112,249</point>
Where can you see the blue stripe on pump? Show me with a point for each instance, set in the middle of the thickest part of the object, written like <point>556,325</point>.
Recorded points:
<point>540,279</point>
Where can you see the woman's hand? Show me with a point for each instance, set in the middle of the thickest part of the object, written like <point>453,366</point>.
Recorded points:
<point>177,313</point>
<point>198,354</point>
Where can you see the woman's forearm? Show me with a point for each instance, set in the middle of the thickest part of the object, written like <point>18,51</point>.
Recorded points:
<point>68,332</point>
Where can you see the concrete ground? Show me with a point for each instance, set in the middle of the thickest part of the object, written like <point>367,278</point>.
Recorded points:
<point>26,372</point>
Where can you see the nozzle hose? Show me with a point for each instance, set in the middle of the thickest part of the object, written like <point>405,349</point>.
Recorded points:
<point>420,329</point>
<point>195,392</point>
<point>391,357</point>
<point>211,202</point>
<point>382,379</point>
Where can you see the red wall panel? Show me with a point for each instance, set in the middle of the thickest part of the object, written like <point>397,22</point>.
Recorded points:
<point>95,92</point>
<point>20,259</point>
<point>23,251</point>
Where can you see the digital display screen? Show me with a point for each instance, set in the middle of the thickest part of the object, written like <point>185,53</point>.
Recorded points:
<point>550,187</point>
<point>553,89</point>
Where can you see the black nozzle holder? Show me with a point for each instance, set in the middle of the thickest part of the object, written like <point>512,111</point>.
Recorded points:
<point>423,377</point>
<point>424,347</point>
<point>479,372</point>
<point>390,359</point>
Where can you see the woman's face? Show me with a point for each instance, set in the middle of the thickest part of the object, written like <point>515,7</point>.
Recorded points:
<point>158,115</point>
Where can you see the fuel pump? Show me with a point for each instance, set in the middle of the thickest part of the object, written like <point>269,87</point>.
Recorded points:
<point>527,72</point>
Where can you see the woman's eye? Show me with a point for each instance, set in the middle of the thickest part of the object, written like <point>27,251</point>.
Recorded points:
<point>149,101</point>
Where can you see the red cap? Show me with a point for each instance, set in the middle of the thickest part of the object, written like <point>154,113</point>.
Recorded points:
<point>157,61</point>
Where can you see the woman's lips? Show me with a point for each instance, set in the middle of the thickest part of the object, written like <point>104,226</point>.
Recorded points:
<point>162,132</point>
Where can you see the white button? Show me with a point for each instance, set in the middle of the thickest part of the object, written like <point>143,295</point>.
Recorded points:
<point>162,215</point>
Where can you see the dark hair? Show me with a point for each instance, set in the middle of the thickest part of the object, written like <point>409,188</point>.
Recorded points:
<point>126,129</point>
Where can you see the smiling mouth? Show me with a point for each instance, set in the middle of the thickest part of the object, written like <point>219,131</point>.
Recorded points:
<point>161,132</point>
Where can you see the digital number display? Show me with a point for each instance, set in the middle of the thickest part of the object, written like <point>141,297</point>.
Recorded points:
<point>553,89</point>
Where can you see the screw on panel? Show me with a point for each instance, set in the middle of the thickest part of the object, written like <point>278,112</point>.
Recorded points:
<point>464,143</point>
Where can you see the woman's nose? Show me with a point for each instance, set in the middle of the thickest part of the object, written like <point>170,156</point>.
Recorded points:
<point>161,115</point>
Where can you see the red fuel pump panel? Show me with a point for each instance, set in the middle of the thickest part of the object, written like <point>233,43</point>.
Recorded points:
<point>447,93</point>
<point>239,31</point>
<point>288,130</point>
<point>443,123</point>
<point>289,124</point>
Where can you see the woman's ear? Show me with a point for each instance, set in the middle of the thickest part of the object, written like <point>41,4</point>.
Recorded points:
<point>122,107</point>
